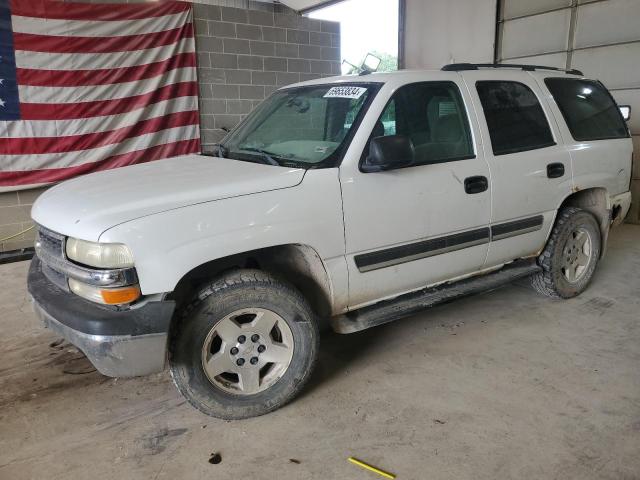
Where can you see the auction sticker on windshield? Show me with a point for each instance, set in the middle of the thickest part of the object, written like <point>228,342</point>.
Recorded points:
<point>345,92</point>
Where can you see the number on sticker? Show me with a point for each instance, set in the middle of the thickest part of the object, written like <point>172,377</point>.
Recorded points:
<point>345,92</point>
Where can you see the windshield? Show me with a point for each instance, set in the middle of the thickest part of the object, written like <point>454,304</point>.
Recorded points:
<point>303,127</point>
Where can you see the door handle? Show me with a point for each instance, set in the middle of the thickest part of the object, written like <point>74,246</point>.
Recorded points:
<point>475,184</point>
<point>555,170</point>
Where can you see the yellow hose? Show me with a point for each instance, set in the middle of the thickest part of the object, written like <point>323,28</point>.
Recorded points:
<point>17,234</point>
<point>366,466</point>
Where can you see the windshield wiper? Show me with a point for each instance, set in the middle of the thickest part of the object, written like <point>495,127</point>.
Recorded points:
<point>266,156</point>
<point>222,151</point>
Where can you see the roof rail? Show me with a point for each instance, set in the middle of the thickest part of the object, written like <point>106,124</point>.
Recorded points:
<point>458,67</point>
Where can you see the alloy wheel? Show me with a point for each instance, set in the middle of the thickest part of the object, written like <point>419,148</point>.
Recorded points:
<point>247,351</point>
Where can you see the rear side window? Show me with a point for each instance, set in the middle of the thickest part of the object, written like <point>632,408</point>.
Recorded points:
<point>588,108</point>
<point>514,116</point>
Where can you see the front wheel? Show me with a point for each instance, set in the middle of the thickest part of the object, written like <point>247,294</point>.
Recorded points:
<point>570,257</point>
<point>245,346</point>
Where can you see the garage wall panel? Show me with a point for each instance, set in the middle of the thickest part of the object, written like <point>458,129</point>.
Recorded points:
<point>519,8</point>
<point>558,60</point>
<point>623,17</point>
<point>602,39</point>
<point>636,164</point>
<point>630,97</point>
<point>437,32</point>
<point>616,65</point>
<point>536,34</point>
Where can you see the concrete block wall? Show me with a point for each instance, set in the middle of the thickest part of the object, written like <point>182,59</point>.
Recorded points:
<point>246,54</point>
<point>246,49</point>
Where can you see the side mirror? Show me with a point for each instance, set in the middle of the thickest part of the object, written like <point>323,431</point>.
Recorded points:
<point>388,153</point>
<point>625,110</point>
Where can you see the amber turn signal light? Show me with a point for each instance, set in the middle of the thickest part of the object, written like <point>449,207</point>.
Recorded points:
<point>119,296</point>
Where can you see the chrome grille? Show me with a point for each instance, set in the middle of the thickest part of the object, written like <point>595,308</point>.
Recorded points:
<point>55,277</point>
<point>50,242</point>
<point>50,245</point>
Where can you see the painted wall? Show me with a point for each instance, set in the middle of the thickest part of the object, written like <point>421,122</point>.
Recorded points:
<point>437,32</point>
<point>599,37</point>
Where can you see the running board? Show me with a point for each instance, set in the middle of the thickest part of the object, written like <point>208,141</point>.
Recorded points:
<point>404,305</point>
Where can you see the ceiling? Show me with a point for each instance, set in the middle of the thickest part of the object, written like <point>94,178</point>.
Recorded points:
<point>308,5</point>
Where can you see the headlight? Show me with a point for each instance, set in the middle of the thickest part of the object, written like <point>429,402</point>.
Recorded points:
<point>99,255</point>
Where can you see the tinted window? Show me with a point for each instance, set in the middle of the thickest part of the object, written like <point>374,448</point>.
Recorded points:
<point>514,116</point>
<point>433,116</point>
<point>588,109</point>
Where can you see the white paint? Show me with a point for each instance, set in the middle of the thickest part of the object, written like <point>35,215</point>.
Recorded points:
<point>179,213</point>
<point>87,206</point>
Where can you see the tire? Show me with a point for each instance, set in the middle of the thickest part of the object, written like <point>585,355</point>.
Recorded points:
<point>243,303</point>
<point>575,241</point>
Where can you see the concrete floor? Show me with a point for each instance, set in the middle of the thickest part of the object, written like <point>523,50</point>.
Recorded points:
<point>503,385</point>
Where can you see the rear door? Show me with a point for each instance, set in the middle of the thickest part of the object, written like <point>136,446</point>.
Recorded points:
<point>530,167</point>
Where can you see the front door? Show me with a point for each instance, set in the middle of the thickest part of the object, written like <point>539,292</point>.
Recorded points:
<point>425,223</point>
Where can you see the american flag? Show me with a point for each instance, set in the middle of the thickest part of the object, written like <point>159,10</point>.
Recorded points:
<point>88,87</point>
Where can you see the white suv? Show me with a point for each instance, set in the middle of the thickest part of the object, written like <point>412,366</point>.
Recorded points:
<point>358,199</point>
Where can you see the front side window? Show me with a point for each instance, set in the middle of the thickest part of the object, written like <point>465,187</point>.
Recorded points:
<point>306,127</point>
<point>588,109</point>
<point>514,116</point>
<point>433,116</point>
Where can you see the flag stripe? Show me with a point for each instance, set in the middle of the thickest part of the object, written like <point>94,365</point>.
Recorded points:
<point>125,43</point>
<point>82,11</point>
<point>73,28</point>
<point>77,78</point>
<point>158,152</point>
<point>97,93</point>
<point>92,61</point>
<point>49,111</point>
<point>69,159</point>
<point>83,126</point>
<point>39,145</point>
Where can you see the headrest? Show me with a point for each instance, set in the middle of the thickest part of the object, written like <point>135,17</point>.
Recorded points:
<point>447,129</point>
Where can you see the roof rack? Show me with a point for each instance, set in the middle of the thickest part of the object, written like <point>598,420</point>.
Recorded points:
<point>458,67</point>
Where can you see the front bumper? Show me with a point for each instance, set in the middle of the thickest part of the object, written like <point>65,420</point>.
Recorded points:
<point>119,343</point>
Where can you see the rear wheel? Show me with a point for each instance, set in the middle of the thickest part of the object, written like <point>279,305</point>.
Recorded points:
<point>245,346</point>
<point>570,257</point>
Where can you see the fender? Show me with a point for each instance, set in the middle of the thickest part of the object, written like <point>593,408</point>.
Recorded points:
<point>597,201</point>
<point>209,231</point>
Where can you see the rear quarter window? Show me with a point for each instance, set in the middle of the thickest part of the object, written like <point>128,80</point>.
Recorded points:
<point>588,108</point>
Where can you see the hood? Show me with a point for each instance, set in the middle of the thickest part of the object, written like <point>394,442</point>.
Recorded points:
<point>87,206</point>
